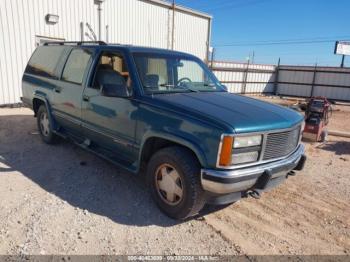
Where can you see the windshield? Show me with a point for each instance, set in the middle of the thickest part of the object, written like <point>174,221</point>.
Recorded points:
<point>172,73</point>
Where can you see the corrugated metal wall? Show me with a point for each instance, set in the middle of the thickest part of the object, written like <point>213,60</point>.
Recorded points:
<point>137,22</point>
<point>300,81</point>
<point>245,78</point>
<point>306,81</point>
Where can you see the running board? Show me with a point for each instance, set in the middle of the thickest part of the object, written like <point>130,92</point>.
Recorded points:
<point>106,154</point>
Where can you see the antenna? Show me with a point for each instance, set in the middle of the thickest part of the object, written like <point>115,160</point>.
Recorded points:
<point>91,31</point>
<point>88,36</point>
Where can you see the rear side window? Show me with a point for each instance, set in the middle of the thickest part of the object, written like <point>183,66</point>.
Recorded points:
<point>76,65</point>
<point>44,61</point>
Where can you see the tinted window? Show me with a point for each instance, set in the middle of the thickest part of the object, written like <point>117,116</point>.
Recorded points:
<point>44,61</point>
<point>76,65</point>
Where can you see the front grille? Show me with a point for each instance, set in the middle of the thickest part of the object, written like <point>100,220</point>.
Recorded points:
<point>281,144</point>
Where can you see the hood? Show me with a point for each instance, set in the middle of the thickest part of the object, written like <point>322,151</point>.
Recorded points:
<point>243,114</point>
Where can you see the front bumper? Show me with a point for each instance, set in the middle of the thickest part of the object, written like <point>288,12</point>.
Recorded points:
<point>243,179</point>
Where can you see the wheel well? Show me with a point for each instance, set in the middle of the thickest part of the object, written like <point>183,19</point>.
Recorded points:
<point>36,104</point>
<point>154,144</point>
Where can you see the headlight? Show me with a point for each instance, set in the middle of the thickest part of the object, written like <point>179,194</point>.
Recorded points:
<point>246,157</point>
<point>246,141</point>
<point>239,150</point>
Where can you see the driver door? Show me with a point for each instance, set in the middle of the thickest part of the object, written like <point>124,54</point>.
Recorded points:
<point>107,120</point>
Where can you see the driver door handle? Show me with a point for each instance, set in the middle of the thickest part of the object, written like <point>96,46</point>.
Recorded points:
<point>86,98</point>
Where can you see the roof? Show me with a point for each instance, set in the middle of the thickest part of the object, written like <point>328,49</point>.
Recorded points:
<point>145,49</point>
<point>104,46</point>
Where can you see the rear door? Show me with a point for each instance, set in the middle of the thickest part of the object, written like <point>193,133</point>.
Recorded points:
<point>69,90</point>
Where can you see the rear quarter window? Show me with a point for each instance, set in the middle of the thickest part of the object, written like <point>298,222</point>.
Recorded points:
<point>44,61</point>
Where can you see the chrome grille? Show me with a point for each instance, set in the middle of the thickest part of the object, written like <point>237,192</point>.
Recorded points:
<point>281,144</point>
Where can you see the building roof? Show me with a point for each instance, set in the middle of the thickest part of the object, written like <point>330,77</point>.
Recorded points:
<point>180,8</point>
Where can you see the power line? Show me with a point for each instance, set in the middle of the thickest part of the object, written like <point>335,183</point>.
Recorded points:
<point>280,43</point>
<point>230,5</point>
<point>218,3</point>
<point>210,4</point>
<point>285,41</point>
<point>293,39</point>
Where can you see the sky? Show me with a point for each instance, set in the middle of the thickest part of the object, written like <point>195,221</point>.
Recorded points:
<point>241,27</point>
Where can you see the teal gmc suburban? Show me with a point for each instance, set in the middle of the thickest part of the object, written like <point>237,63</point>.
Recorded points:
<point>164,115</point>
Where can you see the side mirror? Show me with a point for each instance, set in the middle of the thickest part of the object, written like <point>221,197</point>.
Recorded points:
<point>114,90</point>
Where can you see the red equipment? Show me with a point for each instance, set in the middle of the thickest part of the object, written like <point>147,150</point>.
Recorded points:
<point>317,115</point>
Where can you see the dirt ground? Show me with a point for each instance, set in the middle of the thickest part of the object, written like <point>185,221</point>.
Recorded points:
<point>62,200</point>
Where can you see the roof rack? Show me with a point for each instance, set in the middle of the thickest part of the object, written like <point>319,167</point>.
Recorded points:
<point>75,43</point>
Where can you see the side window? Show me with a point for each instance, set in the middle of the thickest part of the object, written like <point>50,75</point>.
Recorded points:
<point>112,70</point>
<point>76,66</point>
<point>44,61</point>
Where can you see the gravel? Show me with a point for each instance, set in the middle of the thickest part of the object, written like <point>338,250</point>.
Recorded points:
<point>51,203</point>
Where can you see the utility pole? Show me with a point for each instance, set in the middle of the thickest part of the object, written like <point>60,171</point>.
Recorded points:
<point>342,61</point>
<point>275,85</point>
<point>245,77</point>
<point>173,27</point>
<point>99,11</point>
<point>212,58</point>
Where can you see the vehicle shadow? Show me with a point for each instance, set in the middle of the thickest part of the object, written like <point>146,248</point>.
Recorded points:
<point>82,179</point>
<point>338,147</point>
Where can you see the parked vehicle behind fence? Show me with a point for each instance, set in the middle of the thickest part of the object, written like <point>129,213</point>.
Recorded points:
<point>164,115</point>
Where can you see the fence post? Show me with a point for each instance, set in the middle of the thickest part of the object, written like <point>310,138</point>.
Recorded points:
<point>212,59</point>
<point>245,77</point>
<point>275,85</point>
<point>313,81</point>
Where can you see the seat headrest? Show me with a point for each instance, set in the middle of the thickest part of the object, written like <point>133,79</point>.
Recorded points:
<point>151,81</point>
<point>105,67</point>
<point>108,76</point>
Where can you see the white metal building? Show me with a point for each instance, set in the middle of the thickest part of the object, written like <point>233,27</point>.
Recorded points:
<point>26,23</point>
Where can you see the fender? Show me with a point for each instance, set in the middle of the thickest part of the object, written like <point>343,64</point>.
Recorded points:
<point>43,97</point>
<point>176,139</point>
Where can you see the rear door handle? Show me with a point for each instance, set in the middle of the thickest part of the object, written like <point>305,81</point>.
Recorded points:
<point>86,98</point>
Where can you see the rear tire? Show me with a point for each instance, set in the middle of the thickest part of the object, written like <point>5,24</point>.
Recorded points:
<point>45,126</point>
<point>173,176</point>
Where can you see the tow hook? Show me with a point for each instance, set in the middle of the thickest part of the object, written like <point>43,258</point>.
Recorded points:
<point>254,194</point>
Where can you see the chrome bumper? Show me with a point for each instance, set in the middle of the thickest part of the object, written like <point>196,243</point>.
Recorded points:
<point>238,180</point>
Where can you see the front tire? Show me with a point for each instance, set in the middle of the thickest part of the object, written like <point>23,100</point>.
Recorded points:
<point>173,176</point>
<point>45,126</point>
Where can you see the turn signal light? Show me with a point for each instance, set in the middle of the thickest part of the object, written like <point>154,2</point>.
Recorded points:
<point>226,151</point>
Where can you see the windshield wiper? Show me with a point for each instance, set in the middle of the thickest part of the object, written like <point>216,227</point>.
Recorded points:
<point>167,85</point>
<point>179,88</point>
<point>209,84</point>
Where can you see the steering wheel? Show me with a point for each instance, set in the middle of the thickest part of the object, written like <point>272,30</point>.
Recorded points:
<point>183,80</point>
